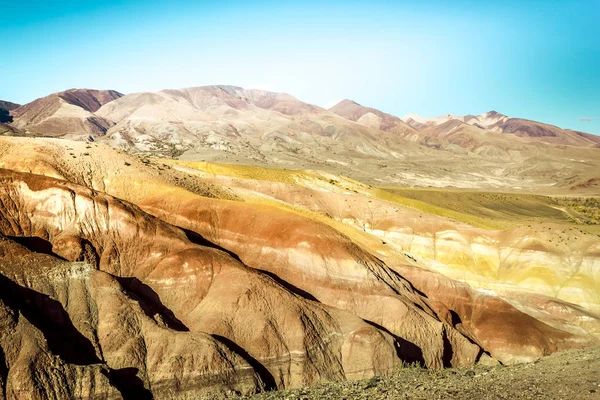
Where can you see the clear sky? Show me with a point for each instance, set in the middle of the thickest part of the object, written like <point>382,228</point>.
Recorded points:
<point>533,59</point>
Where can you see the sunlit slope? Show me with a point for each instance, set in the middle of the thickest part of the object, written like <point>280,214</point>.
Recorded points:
<point>497,241</point>
<point>491,209</point>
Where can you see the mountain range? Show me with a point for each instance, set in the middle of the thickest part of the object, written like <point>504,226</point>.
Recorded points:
<point>230,124</point>
<point>215,241</point>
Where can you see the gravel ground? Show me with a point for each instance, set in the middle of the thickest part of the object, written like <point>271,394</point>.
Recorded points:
<point>569,375</point>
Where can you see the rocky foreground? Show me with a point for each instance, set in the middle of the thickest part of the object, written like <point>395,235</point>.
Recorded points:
<point>567,375</point>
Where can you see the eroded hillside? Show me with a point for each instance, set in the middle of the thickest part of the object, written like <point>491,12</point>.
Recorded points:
<point>175,279</point>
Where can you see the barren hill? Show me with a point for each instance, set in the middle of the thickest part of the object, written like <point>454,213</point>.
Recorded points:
<point>372,117</point>
<point>226,121</point>
<point>66,114</point>
<point>495,122</point>
<point>230,124</point>
<point>545,132</point>
<point>7,105</point>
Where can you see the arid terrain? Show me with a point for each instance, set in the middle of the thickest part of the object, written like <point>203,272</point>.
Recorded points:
<point>228,124</point>
<point>216,242</point>
<point>569,375</point>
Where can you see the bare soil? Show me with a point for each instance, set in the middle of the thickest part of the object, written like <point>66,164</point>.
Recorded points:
<point>568,375</point>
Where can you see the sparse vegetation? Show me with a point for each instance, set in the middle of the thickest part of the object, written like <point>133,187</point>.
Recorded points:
<point>570,375</point>
<point>588,208</point>
<point>487,210</point>
<point>491,210</point>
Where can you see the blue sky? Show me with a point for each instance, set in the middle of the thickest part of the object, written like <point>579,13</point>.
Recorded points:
<point>536,59</point>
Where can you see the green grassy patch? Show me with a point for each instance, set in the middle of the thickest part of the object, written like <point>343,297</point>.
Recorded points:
<point>484,209</point>
<point>488,210</point>
<point>587,208</point>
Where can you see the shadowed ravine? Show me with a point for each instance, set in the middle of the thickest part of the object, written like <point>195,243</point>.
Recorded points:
<point>150,302</point>
<point>35,244</point>
<point>264,374</point>
<point>126,381</point>
<point>49,316</point>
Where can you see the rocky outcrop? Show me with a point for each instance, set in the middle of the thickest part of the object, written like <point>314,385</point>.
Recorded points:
<point>70,330</point>
<point>507,333</point>
<point>328,267</point>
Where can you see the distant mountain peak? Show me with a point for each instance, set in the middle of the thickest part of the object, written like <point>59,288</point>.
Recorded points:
<point>70,112</point>
<point>345,102</point>
<point>430,121</point>
<point>494,113</point>
<point>9,106</point>
<point>89,99</point>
